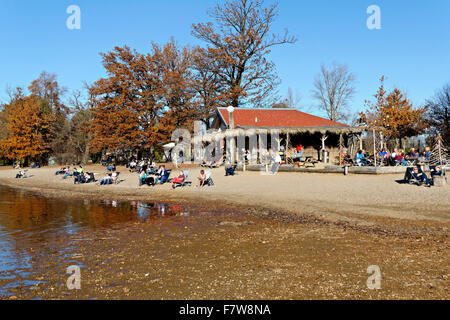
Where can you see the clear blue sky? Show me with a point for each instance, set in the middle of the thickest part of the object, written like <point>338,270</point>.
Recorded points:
<point>412,49</point>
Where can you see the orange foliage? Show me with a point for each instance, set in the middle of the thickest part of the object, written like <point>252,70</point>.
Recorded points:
<point>29,124</point>
<point>394,114</point>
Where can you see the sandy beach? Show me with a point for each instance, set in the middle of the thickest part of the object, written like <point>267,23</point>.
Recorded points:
<point>287,236</point>
<point>334,197</point>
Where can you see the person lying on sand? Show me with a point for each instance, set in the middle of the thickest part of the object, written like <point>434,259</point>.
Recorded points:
<point>21,174</point>
<point>107,179</point>
<point>63,170</point>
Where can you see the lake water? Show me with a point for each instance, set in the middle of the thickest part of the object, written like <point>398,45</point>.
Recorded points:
<point>29,224</point>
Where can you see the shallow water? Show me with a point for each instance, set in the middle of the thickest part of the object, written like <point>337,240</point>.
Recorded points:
<point>30,224</point>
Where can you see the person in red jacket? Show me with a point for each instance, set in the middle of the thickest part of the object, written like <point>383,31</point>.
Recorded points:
<point>299,153</point>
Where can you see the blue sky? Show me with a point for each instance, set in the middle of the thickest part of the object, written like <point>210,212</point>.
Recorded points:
<point>412,49</point>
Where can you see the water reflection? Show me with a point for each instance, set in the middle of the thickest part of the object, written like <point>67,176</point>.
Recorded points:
<point>31,226</point>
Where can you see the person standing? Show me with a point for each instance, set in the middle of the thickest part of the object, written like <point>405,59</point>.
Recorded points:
<point>276,161</point>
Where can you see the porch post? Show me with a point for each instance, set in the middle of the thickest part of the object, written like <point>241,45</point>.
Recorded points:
<point>231,140</point>
<point>360,141</point>
<point>374,147</point>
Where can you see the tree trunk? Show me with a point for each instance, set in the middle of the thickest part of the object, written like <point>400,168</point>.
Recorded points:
<point>85,155</point>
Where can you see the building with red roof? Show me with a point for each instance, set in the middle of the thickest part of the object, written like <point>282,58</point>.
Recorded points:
<point>272,118</point>
<point>294,127</point>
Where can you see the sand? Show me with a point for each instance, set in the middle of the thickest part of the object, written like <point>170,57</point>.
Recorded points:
<point>327,229</point>
<point>357,198</point>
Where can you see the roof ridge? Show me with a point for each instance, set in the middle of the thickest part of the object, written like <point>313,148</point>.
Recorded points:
<point>273,109</point>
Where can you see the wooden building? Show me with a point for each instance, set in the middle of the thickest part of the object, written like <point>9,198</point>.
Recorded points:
<point>293,127</point>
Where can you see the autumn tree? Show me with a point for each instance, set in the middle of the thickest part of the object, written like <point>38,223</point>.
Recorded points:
<point>239,40</point>
<point>334,89</point>
<point>438,115</point>
<point>394,114</point>
<point>174,67</point>
<point>126,104</point>
<point>30,120</point>
<point>47,88</point>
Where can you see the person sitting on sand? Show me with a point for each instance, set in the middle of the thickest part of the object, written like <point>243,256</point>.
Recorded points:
<point>81,178</point>
<point>230,171</point>
<point>179,179</point>
<point>133,165</point>
<point>20,174</point>
<point>437,172</point>
<point>114,177</point>
<point>420,176</point>
<point>76,172</point>
<point>142,178</point>
<point>201,179</point>
<point>162,175</point>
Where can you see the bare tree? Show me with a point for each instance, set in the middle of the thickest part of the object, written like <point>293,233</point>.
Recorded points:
<point>239,41</point>
<point>293,100</point>
<point>334,88</point>
<point>438,114</point>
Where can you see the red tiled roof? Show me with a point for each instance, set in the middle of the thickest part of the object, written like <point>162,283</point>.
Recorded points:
<point>276,118</point>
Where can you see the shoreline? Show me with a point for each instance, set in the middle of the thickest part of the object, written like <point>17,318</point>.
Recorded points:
<point>43,183</point>
<point>234,250</point>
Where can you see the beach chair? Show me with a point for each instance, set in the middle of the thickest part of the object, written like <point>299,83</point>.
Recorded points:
<point>409,177</point>
<point>150,181</point>
<point>186,181</point>
<point>91,177</point>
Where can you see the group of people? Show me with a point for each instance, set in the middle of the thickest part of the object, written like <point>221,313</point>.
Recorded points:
<point>421,176</point>
<point>146,166</point>
<point>162,175</point>
<point>397,158</point>
<point>79,174</point>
